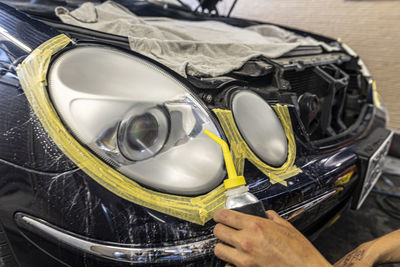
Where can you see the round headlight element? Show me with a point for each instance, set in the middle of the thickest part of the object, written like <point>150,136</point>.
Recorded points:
<point>142,133</point>
<point>260,127</point>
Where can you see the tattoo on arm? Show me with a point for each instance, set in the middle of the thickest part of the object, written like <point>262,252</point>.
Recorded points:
<point>352,258</point>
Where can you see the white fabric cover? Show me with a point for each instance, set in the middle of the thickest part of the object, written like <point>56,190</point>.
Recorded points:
<point>201,49</point>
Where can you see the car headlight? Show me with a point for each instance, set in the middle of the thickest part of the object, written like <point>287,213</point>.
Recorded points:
<point>138,118</point>
<point>268,139</point>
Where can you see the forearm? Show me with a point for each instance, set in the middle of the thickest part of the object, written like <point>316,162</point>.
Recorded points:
<point>385,249</point>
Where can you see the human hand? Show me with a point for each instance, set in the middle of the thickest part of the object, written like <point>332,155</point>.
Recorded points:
<point>255,241</point>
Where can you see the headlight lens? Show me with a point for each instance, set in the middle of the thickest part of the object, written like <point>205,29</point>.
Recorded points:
<point>143,133</point>
<point>138,118</point>
<point>260,127</point>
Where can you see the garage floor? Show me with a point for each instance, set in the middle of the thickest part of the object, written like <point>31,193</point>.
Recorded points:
<point>356,227</point>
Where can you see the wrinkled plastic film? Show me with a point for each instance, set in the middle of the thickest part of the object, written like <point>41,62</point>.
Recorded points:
<point>32,74</point>
<point>241,151</point>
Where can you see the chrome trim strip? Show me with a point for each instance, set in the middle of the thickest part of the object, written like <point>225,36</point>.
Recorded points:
<point>292,213</point>
<point>115,251</point>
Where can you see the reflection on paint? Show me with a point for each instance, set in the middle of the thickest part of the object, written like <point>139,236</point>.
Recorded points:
<point>15,41</point>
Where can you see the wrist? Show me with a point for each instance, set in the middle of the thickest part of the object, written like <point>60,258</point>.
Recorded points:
<point>386,249</point>
<point>374,252</point>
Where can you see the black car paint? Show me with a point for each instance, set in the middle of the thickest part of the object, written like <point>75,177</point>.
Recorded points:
<point>37,179</point>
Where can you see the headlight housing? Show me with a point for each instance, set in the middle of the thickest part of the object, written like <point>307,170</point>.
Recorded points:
<point>138,118</point>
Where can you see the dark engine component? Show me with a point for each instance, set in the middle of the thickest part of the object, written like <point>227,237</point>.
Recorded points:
<point>333,98</point>
<point>310,107</point>
<point>322,91</point>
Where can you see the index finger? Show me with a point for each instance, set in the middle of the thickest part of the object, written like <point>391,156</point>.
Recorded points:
<point>232,218</point>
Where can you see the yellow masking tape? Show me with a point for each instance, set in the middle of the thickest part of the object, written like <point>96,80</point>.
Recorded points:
<point>376,96</point>
<point>241,151</point>
<point>344,179</point>
<point>32,74</point>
